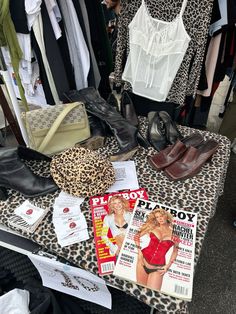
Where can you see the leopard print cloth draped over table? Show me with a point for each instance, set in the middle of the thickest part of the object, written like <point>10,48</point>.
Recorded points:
<point>196,20</point>
<point>198,194</point>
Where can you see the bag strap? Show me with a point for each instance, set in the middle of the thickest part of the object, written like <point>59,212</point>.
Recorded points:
<point>56,124</point>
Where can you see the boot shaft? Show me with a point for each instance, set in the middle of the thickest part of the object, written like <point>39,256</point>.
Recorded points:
<point>8,153</point>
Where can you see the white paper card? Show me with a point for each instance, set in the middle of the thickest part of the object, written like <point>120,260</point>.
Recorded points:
<point>65,211</point>
<point>65,227</point>
<point>64,200</point>
<point>29,212</point>
<point>72,280</point>
<point>74,238</point>
<point>126,176</point>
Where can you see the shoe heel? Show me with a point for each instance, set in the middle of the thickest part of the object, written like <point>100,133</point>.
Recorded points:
<point>3,194</point>
<point>209,159</point>
<point>152,164</point>
<point>142,140</point>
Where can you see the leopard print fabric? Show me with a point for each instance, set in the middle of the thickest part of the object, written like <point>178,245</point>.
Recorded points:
<point>198,194</point>
<point>196,20</point>
<point>81,172</point>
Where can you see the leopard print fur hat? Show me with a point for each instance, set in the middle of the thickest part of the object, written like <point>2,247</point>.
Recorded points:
<point>82,172</point>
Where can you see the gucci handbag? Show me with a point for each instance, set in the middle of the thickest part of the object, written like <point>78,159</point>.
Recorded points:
<point>56,128</point>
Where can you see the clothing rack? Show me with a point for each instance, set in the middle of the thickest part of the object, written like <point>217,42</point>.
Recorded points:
<point>232,83</point>
<point>7,110</point>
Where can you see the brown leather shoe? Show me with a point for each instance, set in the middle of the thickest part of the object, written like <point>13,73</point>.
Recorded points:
<point>174,152</point>
<point>192,161</point>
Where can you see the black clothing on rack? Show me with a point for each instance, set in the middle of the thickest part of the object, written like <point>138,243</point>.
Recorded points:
<point>54,55</point>
<point>18,15</point>
<point>42,72</point>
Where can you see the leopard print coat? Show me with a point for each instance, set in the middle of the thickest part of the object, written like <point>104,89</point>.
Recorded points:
<point>196,19</point>
<point>199,194</point>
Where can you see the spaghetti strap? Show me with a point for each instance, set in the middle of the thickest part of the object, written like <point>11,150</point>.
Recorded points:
<point>157,49</point>
<point>184,4</point>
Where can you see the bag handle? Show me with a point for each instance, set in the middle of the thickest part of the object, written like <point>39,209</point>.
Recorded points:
<point>56,124</point>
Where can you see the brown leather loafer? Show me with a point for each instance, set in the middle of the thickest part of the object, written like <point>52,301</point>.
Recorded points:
<point>174,152</point>
<point>192,161</point>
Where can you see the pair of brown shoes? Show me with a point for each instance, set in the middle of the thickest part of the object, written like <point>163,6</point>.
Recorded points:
<point>185,158</point>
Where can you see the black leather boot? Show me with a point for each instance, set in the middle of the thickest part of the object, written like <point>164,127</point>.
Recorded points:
<point>156,131</point>
<point>3,194</point>
<point>31,154</point>
<point>112,101</point>
<point>98,134</point>
<point>128,112</point>
<point>171,130</point>
<point>127,109</point>
<point>14,174</point>
<point>97,127</point>
<point>124,132</point>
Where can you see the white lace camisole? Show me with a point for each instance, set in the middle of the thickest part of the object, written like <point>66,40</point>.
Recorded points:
<point>157,49</point>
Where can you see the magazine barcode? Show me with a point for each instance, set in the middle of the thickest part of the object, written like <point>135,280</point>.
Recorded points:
<point>181,290</point>
<point>107,267</point>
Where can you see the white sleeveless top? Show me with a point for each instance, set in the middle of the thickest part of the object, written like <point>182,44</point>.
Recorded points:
<point>157,49</point>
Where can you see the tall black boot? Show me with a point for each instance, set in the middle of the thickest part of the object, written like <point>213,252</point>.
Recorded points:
<point>127,109</point>
<point>97,127</point>
<point>27,153</point>
<point>171,130</point>
<point>3,194</point>
<point>124,132</point>
<point>98,134</point>
<point>112,101</point>
<point>128,112</point>
<point>14,174</point>
<point>156,131</point>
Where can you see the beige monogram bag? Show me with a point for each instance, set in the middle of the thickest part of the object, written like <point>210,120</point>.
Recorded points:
<point>54,129</point>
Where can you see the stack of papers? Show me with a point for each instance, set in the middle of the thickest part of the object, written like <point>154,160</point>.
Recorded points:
<point>27,217</point>
<point>69,222</point>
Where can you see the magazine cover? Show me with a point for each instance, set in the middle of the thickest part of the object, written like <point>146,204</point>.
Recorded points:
<point>111,214</point>
<point>158,249</point>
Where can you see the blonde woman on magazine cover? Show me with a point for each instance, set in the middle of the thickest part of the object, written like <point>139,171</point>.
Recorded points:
<point>152,264</point>
<point>117,221</point>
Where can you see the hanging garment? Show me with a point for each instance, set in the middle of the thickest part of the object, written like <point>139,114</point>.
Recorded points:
<point>94,75</point>
<point>79,53</point>
<point>8,38</point>
<point>28,67</point>
<point>196,19</point>
<point>38,32</point>
<point>210,64</point>
<point>64,49</point>
<point>100,43</point>
<point>217,25</point>
<point>157,49</point>
<point>55,16</point>
<point>42,71</point>
<point>32,8</point>
<point>18,15</point>
<point>54,55</point>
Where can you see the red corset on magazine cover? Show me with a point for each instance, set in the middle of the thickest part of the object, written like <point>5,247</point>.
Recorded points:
<point>155,252</point>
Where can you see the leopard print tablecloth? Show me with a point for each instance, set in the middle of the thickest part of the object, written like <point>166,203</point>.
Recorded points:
<point>198,194</point>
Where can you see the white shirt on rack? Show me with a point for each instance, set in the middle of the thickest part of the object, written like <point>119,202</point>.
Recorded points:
<point>79,53</point>
<point>157,49</point>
